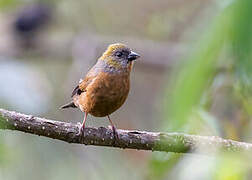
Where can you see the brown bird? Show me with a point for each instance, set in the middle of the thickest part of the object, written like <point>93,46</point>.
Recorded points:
<point>106,86</point>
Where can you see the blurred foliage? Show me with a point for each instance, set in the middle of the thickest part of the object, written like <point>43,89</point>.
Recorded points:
<point>226,162</point>
<point>4,150</point>
<point>162,165</point>
<point>4,4</point>
<point>229,34</point>
<point>226,44</point>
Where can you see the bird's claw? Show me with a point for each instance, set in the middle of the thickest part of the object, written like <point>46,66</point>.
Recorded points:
<point>115,134</point>
<point>81,132</point>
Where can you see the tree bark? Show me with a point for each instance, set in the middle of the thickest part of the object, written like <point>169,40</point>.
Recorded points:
<point>131,139</point>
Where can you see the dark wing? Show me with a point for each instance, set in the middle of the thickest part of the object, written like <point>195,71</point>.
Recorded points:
<point>91,76</point>
<point>77,91</point>
<point>82,85</point>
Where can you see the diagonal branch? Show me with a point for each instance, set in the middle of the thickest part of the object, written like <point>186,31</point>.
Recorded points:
<point>141,140</point>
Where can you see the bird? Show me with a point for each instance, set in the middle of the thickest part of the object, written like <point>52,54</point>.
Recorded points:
<point>106,86</point>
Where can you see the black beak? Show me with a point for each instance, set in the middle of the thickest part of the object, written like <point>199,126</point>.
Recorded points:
<point>133,56</point>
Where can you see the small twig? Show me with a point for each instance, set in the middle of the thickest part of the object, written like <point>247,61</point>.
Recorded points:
<point>141,140</point>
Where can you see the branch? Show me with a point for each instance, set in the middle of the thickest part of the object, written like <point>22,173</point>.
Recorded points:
<point>141,140</point>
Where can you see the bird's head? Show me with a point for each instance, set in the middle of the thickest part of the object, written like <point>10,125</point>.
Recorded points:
<point>119,56</point>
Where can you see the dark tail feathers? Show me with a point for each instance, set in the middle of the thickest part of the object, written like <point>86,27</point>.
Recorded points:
<point>68,105</point>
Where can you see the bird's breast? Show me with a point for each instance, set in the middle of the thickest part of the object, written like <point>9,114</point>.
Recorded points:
<point>106,94</point>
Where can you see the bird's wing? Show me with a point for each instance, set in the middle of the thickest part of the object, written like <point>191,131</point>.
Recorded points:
<point>81,87</point>
<point>83,83</point>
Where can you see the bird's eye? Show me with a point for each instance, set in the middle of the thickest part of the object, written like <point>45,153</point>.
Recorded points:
<point>118,54</point>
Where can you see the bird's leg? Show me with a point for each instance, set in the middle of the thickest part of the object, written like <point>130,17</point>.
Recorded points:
<point>82,127</point>
<point>113,128</point>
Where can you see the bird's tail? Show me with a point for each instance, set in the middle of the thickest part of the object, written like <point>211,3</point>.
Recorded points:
<point>68,105</point>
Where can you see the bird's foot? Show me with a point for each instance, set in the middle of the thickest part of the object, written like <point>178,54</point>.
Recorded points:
<point>81,132</point>
<point>115,134</point>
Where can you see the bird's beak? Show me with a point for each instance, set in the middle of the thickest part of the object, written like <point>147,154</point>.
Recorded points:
<point>133,56</point>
